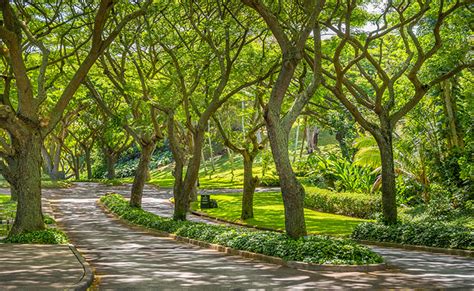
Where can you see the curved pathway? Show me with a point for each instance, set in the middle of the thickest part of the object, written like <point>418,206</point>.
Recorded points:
<point>125,258</point>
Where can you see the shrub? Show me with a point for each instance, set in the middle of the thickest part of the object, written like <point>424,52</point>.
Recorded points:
<point>270,181</point>
<point>337,173</point>
<point>345,203</point>
<point>314,249</point>
<point>417,233</point>
<point>47,236</point>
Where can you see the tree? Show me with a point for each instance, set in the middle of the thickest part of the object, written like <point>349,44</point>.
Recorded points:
<point>31,32</point>
<point>292,32</point>
<point>247,145</point>
<point>380,75</point>
<point>223,55</point>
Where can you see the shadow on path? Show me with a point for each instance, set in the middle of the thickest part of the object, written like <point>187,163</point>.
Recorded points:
<point>124,258</point>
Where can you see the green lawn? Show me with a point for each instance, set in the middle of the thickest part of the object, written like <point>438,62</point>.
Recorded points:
<point>226,174</point>
<point>268,210</point>
<point>7,211</point>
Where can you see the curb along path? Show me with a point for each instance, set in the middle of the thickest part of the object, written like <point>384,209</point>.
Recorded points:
<point>124,257</point>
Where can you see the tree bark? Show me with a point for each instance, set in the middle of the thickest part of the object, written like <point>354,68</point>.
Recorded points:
<point>389,198</point>
<point>180,199</point>
<point>250,182</point>
<point>77,167</point>
<point>292,191</point>
<point>111,159</point>
<point>27,183</point>
<point>192,171</point>
<point>141,174</point>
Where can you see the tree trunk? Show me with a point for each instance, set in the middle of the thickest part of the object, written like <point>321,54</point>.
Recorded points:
<point>454,133</point>
<point>192,172</point>
<point>141,174</point>
<point>292,191</point>
<point>27,183</point>
<point>180,199</point>
<point>111,159</point>
<point>56,162</point>
<point>250,183</point>
<point>77,167</point>
<point>389,199</point>
<point>88,163</point>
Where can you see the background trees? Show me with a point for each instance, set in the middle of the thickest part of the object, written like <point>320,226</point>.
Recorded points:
<point>373,66</point>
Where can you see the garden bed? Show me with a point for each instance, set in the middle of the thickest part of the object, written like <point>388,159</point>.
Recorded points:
<point>50,235</point>
<point>318,250</point>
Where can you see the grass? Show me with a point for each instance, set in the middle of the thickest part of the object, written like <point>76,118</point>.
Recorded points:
<point>7,212</point>
<point>269,213</point>
<point>227,173</point>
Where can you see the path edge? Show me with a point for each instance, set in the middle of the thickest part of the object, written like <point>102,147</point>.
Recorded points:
<point>88,275</point>
<point>246,254</point>
<point>453,252</point>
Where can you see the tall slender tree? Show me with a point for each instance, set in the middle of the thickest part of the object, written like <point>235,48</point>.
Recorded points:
<point>292,27</point>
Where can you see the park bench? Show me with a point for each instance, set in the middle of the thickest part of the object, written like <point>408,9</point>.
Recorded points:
<point>206,201</point>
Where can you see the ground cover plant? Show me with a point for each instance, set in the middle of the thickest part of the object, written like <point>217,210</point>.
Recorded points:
<point>313,249</point>
<point>47,236</point>
<point>432,234</point>
<point>269,213</point>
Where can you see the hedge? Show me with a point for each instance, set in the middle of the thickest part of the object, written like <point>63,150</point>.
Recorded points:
<point>432,234</point>
<point>312,249</point>
<point>344,203</point>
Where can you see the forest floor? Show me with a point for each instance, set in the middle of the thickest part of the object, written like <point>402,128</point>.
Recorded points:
<point>125,258</point>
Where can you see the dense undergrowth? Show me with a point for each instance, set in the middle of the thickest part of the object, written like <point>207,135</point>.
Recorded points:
<point>313,249</point>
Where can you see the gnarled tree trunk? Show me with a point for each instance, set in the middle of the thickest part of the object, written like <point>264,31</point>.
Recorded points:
<point>27,182</point>
<point>292,191</point>
<point>141,174</point>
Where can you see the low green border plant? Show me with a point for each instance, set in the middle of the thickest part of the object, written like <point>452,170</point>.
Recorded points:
<point>311,249</point>
<point>47,236</point>
<point>432,234</point>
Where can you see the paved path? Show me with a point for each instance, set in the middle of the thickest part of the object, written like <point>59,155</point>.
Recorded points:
<point>124,258</point>
<point>39,267</point>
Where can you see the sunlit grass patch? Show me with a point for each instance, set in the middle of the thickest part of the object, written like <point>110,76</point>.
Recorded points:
<point>269,213</point>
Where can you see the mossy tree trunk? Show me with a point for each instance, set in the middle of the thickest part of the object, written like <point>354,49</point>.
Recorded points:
<point>27,183</point>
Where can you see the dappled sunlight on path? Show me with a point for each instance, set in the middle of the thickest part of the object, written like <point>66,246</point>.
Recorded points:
<point>129,258</point>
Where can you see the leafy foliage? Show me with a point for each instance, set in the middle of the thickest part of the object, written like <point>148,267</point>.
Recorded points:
<point>337,173</point>
<point>313,249</point>
<point>345,203</point>
<point>47,236</point>
<point>417,233</point>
